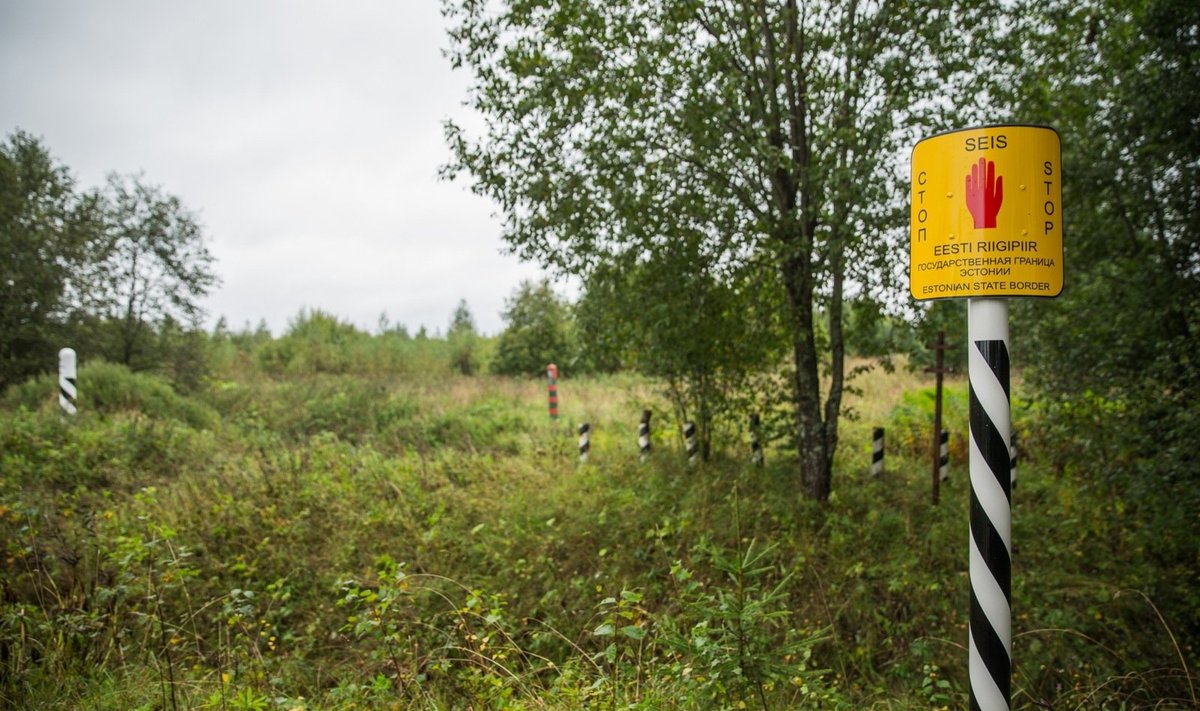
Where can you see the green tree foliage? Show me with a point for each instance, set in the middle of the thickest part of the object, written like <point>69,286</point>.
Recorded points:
<point>117,273</point>
<point>461,322</point>
<point>155,265</point>
<point>385,326</point>
<point>1131,306</point>
<point>315,342</point>
<point>771,131</point>
<point>113,388</point>
<point>676,319</point>
<point>538,327</point>
<point>318,343</point>
<point>43,235</point>
<point>1114,358</point>
<point>464,341</point>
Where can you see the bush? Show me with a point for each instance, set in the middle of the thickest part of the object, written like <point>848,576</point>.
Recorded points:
<point>315,342</point>
<point>318,343</point>
<point>910,423</point>
<point>108,388</point>
<point>538,332</point>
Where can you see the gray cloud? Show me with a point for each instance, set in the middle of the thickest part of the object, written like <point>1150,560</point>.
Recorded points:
<point>307,136</point>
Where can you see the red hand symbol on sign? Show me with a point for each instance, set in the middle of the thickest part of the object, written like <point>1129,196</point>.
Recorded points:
<point>985,192</point>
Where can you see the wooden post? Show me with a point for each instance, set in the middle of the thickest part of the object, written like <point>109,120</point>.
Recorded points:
<point>939,347</point>
<point>944,455</point>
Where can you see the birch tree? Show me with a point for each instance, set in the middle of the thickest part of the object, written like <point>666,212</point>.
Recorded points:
<point>772,130</point>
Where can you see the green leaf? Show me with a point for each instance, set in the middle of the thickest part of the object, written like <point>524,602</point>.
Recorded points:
<point>633,632</point>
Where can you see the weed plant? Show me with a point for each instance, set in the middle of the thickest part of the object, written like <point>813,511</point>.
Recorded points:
<point>341,539</point>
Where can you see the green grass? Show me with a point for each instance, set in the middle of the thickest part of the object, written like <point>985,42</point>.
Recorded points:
<point>334,541</point>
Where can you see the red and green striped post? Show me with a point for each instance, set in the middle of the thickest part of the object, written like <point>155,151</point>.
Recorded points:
<point>552,376</point>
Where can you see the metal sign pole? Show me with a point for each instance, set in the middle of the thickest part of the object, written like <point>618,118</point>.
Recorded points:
<point>990,656</point>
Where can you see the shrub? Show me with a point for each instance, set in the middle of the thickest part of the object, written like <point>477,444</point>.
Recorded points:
<point>108,388</point>
<point>910,423</point>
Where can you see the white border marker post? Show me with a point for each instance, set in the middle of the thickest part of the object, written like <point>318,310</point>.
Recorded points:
<point>986,225</point>
<point>67,391</point>
<point>944,455</point>
<point>585,444</point>
<point>877,451</point>
<point>756,450</point>
<point>644,435</point>
<point>990,655</point>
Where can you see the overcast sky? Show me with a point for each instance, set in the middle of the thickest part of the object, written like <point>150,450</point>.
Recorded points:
<point>306,135</point>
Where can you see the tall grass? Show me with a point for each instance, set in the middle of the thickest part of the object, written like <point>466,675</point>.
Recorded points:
<point>342,540</point>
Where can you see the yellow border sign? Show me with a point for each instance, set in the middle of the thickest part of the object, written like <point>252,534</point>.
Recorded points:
<point>986,217</point>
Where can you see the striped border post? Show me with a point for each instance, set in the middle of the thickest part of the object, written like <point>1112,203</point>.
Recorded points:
<point>1012,459</point>
<point>689,436</point>
<point>990,654</point>
<point>756,450</point>
<point>877,451</point>
<point>67,391</point>
<point>944,455</point>
<point>644,435</point>
<point>552,377</point>
<point>585,444</point>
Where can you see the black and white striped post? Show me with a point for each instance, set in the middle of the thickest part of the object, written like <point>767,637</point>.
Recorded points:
<point>877,451</point>
<point>67,392</point>
<point>1012,459</point>
<point>756,450</point>
<point>986,224</point>
<point>944,455</point>
<point>644,435</point>
<point>689,436</point>
<point>585,444</point>
<point>990,653</point>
